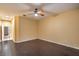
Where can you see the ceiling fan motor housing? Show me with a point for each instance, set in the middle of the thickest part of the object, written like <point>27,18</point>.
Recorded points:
<point>36,10</point>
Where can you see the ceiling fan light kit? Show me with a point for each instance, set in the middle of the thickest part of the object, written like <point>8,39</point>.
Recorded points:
<point>36,14</point>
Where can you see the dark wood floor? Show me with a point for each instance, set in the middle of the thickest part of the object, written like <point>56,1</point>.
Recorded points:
<point>36,48</point>
<point>7,48</point>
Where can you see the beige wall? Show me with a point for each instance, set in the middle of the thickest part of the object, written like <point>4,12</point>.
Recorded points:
<point>0,32</point>
<point>25,29</point>
<point>17,29</point>
<point>62,29</point>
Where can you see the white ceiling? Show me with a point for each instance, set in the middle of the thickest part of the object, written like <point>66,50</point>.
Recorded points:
<point>13,9</point>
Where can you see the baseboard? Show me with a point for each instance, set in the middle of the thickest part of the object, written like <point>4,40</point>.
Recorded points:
<point>61,44</point>
<point>6,40</point>
<point>47,41</point>
<point>20,41</point>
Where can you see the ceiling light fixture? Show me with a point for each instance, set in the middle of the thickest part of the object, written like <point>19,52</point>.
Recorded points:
<point>36,14</point>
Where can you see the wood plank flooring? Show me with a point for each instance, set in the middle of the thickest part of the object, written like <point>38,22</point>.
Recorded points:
<point>36,48</point>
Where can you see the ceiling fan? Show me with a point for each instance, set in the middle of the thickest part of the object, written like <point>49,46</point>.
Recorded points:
<point>36,10</point>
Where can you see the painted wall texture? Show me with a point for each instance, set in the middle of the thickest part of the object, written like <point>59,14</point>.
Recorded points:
<point>25,29</point>
<point>62,29</point>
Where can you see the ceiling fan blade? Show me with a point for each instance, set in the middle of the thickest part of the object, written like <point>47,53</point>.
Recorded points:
<point>26,13</point>
<point>50,13</point>
<point>42,11</point>
<point>41,7</point>
<point>29,13</point>
<point>31,6</point>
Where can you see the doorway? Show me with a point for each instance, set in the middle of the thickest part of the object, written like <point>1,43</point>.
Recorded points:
<point>6,29</point>
<point>6,36</point>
